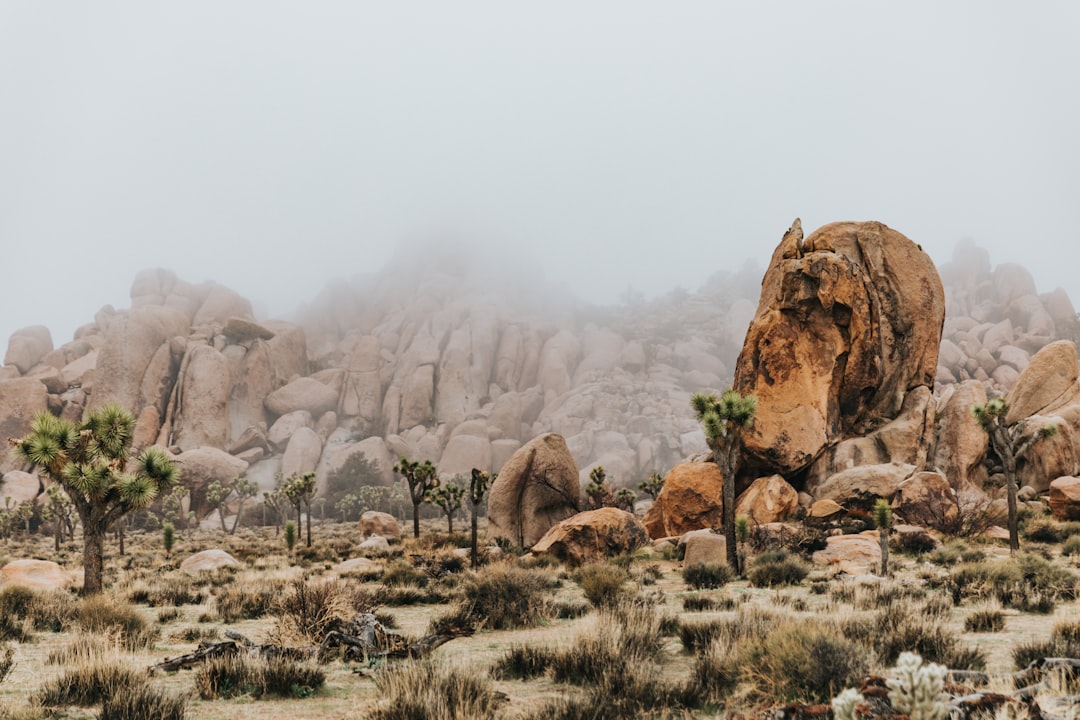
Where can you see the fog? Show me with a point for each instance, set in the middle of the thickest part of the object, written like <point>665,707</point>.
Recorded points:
<point>273,146</point>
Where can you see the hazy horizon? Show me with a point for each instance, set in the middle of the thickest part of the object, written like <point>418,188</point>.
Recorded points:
<point>273,147</point>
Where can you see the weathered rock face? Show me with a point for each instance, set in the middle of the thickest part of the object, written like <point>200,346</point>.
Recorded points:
<point>537,487</point>
<point>767,500</point>
<point>201,466</point>
<point>131,339</point>
<point>20,400</point>
<point>692,499</point>
<point>961,444</point>
<point>1065,498</point>
<point>848,323</point>
<point>863,484</point>
<point>592,535</point>
<point>703,547</point>
<point>204,421</point>
<point>853,554</point>
<point>926,499</point>
<point>18,487</point>
<point>35,575</point>
<point>373,522</point>
<point>27,347</point>
<point>1048,383</point>
<point>302,394</point>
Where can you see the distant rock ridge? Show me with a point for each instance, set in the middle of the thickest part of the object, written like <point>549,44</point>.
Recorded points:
<point>460,362</point>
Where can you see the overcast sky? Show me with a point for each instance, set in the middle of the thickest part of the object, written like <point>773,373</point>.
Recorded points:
<point>272,146</point>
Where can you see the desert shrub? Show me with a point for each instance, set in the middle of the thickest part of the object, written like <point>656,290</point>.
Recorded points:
<point>624,636</point>
<point>309,608</point>
<point>710,575</point>
<point>174,590</point>
<point>917,544</point>
<point>523,662</point>
<point>918,629</point>
<point>1064,641</point>
<point>985,620</point>
<point>1043,530</point>
<point>569,609</point>
<point>1027,582</point>
<point>1071,546</point>
<point>102,614</point>
<point>805,661</point>
<point>426,689</point>
<point>502,597</point>
<point>401,572</point>
<point>247,601</point>
<point>707,603</point>
<point>85,647</point>
<point>167,615</point>
<point>749,623</point>
<point>775,568</point>
<point>228,677</point>
<point>885,594</point>
<point>602,583</point>
<point>714,675</point>
<point>23,609</point>
<point>409,595</point>
<point>141,702</point>
<point>7,661</point>
<point>956,551</point>
<point>89,683</point>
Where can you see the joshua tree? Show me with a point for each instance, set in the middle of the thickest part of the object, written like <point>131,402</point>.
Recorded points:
<point>168,537</point>
<point>1009,444</point>
<point>478,486</point>
<point>90,460</point>
<point>883,520</point>
<point>652,486</point>
<point>722,419</point>
<point>300,489</point>
<point>447,498</point>
<point>422,477</point>
<point>61,512</point>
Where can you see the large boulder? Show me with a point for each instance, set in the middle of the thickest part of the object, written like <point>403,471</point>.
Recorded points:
<point>26,347</point>
<point>926,499</point>
<point>960,450</point>
<point>131,339</point>
<point>1049,382</point>
<point>703,547</point>
<point>767,500</point>
<point>35,575</point>
<point>201,466</point>
<point>209,561</point>
<point>691,499</point>
<point>284,427</point>
<point>18,487</point>
<point>373,522</point>
<point>203,420</point>
<point>537,487</point>
<point>1065,498</point>
<point>302,454</point>
<point>848,323</point>
<point>592,535</point>
<point>20,400</point>
<point>852,554</point>
<point>302,394</point>
<point>863,484</point>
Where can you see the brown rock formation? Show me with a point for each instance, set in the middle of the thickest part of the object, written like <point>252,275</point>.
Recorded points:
<point>768,499</point>
<point>1065,498</point>
<point>592,535</point>
<point>537,487</point>
<point>691,499</point>
<point>383,524</point>
<point>926,499</point>
<point>846,326</point>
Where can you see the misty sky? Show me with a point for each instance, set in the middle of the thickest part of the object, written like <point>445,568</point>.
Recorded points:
<point>271,146</point>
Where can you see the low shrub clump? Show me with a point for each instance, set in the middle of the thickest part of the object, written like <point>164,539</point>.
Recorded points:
<point>1064,642</point>
<point>427,689</point>
<point>523,662</point>
<point>103,614</point>
<point>805,661</point>
<point>602,583</point>
<point>706,603</point>
<point>775,568</point>
<point>1028,582</point>
<point>308,609</point>
<point>985,620</point>
<point>142,702</point>
<point>247,601</point>
<point>89,683</point>
<point>234,676</point>
<point>502,596</point>
<point>707,575</point>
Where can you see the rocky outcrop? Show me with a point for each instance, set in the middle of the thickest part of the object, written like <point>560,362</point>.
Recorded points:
<point>27,347</point>
<point>591,536</point>
<point>691,499</point>
<point>849,323</point>
<point>767,500</point>
<point>926,499</point>
<point>537,487</point>
<point>20,400</point>
<point>35,575</point>
<point>17,487</point>
<point>851,554</point>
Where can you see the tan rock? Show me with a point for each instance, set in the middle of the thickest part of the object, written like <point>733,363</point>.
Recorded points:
<point>1048,382</point>
<point>374,545</point>
<point>203,421</point>
<point>201,466</point>
<point>768,499</point>
<point>692,499</point>
<point>302,453</point>
<point>254,381</point>
<point>852,554</point>
<point>208,561</point>
<point>592,535</point>
<point>463,453</point>
<point>960,450</point>
<point>927,499</point>
<point>1064,498</point>
<point>847,324</point>
<point>131,340</point>
<point>864,483</point>
<point>704,547</point>
<point>18,487</point>
<point>302,394</point>
<point>26,347</point>
<point>242,331</point>
<point>358,566</point>
<point>20,400</point>
<point>35,575</point>
<point>373,522</point>
<point>284,427</point>
<point>825,510</point>
<point>74,373</point>
<point>221,305</point>
<point>1048,458</point>
<point>537,487</point>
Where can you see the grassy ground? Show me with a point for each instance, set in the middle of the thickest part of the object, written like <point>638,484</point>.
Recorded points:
<point>350,690</point>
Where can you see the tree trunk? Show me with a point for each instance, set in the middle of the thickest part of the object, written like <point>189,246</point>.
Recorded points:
<point>308,505</point>
<point>1010,482</point>
<point>120,536</point>
<point>450,523</point>
<point>94,531</point>
<point>727,464</point>
<point>416,519</point>
<point>883,536</point>
<point>474,556</point>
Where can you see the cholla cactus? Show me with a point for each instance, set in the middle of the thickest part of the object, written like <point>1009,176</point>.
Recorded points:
<point>844,704</point>
<point>917,688</point>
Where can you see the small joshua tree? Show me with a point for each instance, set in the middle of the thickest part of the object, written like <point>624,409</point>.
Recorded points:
<point>299,490</point>
<point>447,498</point>
<point>478,486</point>
<point>1009,444</point>
<point>723,418</point>
<point>290,535</point>
<point>168,537</point>
<point>742,535</point>
<point>216,495</point>
<point>883,520</point>
<point>422,477</point>
<point>598,491</point>
<point>652,486</point>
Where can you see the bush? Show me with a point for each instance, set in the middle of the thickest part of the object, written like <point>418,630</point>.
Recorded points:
<point>776,568</point>
<point>22,608</point>
<point>1064,642</point>
<point>247,601</point>
<point>401,573</point>
<point>602,583</point>
<point>922,630</point>
<point>986,620</point>
<point>570,609</point>
<point>308,609</point>
<point>503,597</point>
<point>102,614</point>
<point>1027,582</point>
<point>702,575</point>
<point>523,662</point>
<point>804,661</point>
<point>706,603</point>
<point>176,591</point>
<point>228,677</point>
<point>141,702</point>
<point>624,637</point>
<point>7,661</point>
<point>1071,546</point>
<point>418,689</point>
<point>956,551</point>
<point>89,683</point>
